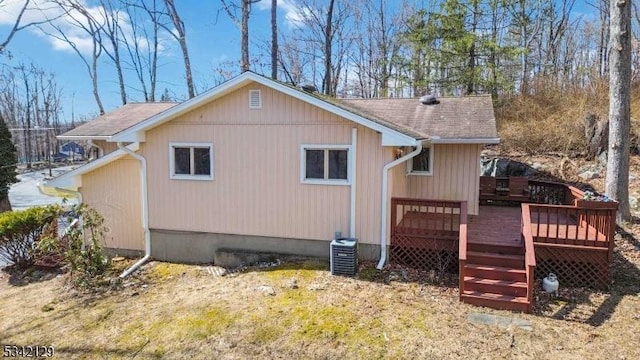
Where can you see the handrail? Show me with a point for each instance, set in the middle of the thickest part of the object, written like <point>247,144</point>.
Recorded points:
<point>462,243</point>
<point>462,247</point>
<point>529,254</point>
<point>527,234</point>
<point>418,200</point>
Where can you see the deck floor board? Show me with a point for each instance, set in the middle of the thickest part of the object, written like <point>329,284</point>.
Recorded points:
<point>495,225</point>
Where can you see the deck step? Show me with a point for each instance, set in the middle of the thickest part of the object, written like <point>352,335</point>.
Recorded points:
<point>495,272</point>
<point>492,259</point>
<point>506,249</point>
<point>503,287</point>
<point>496,301</point>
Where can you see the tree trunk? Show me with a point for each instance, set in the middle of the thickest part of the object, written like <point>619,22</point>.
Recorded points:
<point>328,36</point>
<point>245,35</point>
<point>596,132</point>
<point>5,205</point>
<point>274,39</point>
<point>617,182</point>
<point>181,38</point>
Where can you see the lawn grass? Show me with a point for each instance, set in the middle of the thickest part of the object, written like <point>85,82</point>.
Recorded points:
<point>181,311</point>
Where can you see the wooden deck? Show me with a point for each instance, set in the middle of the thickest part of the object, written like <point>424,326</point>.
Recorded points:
<point>549,227</point>
<point>495,225</point>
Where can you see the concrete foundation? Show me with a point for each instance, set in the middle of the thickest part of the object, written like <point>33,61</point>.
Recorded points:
<point>194,247</point>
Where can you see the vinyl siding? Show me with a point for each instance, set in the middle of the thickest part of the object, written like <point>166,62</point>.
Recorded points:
<point>114,191</point>
<point>456,176</point>
<point>257,188</point>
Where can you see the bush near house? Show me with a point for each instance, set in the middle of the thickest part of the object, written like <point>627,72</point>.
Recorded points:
<point>85,263</point>
<point>21,231</point>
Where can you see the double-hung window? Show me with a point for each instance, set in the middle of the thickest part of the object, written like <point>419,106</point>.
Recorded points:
<point>191,161</point>
<point>421,164</point>
<point>326,164</point>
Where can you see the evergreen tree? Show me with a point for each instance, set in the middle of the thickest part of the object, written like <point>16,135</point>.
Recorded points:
<point>8,162</point>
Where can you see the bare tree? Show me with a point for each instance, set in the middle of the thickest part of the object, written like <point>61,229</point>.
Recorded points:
<point>617,181</point>
<point>18,25</point>
<point>274,39</point>
<point>112,32</point>
<point>94,30</point>
<point>231,8</point>
<point>180,35</point>
<point>142,44</point>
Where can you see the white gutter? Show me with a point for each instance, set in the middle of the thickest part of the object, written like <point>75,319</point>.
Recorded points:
<point>354,145</point>
<point>145,211</point>
<point>384,202</point>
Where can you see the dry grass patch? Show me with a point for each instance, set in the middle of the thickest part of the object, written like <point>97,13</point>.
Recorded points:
<point>180,311</point>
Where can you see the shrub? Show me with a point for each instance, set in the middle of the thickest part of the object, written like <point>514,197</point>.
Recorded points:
<point>81,247</point>
<point>21,231</point>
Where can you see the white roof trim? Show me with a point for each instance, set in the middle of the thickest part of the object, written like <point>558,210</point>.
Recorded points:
<point>83,137</point>
<point>390,137</point>
<point>72,180</point>
<point>465,140</point>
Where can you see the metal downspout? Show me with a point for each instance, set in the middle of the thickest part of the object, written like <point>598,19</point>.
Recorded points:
<point>145,211</point>
<point>384,202</point>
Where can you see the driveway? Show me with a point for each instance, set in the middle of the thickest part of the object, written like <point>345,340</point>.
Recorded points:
<point>25,193</point>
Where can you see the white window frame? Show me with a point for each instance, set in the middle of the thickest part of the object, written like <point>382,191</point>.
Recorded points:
<point>422,173</point>
<point>192,145</point>
<point>303,164</point>
<point>259,94</point>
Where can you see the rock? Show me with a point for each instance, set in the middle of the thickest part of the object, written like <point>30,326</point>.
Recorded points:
<point>292,284</point>
<point>602,158</point>
<point>590,172</point>
<point>47,276</point>
<point>501,321</point>
<point>633,202</point>
<point>317,286</point>
<point>504,167</point>
<point>266,289</point>
<point>588,175</point>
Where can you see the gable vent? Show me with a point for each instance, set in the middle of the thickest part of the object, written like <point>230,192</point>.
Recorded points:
<point>255,99</point>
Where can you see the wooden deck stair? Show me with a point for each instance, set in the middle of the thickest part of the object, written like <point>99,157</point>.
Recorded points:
<point>495,277</point>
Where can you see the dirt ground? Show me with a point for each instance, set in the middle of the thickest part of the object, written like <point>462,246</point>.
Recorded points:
<point>296,309</point>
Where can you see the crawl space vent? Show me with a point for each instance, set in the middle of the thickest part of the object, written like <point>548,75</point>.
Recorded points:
<point>344,257</point>
<point>255,99</point>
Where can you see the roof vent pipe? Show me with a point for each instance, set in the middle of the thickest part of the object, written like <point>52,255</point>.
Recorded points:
<point>310,88</point>
<point>429,100</point>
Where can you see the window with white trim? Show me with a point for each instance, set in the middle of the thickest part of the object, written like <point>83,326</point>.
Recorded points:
<point>191,161</point>
<point>325,164</point>
<point>421,164</point>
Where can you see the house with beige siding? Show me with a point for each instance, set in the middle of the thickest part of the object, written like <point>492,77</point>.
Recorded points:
<point>259,165</point>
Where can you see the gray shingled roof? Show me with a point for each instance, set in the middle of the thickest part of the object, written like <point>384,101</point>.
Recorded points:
<point>119,119</point>
<point>469,117</point>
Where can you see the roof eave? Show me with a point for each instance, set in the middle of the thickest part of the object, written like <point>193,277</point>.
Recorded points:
<point>492,140</point>
<point>83,137</point>
<point>72,180</point>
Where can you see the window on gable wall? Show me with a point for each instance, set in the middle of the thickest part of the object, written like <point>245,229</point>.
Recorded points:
<point>191,161</point>
<point>422,164</point>
<point>325,164</point>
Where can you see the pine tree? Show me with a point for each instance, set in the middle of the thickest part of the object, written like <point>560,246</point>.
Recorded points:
<point>8,162</point>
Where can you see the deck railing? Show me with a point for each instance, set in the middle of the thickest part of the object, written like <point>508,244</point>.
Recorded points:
<point>573,241</point>
<point>529,251</point>
<point>462,247</point>
<point>425,233</point>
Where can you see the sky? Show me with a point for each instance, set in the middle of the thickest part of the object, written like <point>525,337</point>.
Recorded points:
<point>213,41</point>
